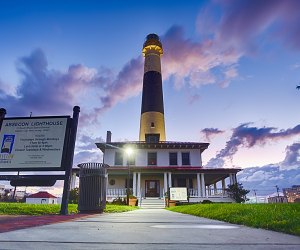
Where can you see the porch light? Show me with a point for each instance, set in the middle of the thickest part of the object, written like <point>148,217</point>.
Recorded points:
<point>129,151</point>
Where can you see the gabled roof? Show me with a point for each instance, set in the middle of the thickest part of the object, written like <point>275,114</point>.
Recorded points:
<point>158,145</point>
<point>42,195</point>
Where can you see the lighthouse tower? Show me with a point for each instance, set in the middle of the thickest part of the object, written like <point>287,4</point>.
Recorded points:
<point>152,124</point>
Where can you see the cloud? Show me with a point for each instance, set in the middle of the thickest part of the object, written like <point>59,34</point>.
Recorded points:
<point>45,90</point>
<point>247,136</point>
<point>244,21</point>
<point>209,132</point>
<point>194,63</point>
<point>292,157</point>
<point>264,179</point>
<point>126,84</point>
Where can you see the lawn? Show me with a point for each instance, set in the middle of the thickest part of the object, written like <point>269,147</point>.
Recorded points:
<point>277,217</point>
<point>43,209</point>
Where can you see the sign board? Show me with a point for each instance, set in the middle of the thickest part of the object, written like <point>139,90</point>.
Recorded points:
<point>178,194</point>
<point>37,143</point>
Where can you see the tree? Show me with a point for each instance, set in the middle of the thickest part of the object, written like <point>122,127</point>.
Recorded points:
<point>74,195</point>
<point>237,192</point>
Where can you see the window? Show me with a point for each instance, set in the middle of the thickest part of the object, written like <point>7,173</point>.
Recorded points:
<point>173,158</point>
<point>112,182</point>
<point>185,158</point>
<point>152,158</point>
<point>118,158</point>
<point>152,125</point>
<point>152,138</point>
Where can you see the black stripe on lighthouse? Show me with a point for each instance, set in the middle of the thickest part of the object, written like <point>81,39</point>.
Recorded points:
<point>152,99</point>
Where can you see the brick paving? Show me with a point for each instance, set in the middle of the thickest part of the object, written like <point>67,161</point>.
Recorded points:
<point>15,222</point>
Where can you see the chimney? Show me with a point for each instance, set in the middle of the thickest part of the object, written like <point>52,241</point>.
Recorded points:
<point>108,137</point>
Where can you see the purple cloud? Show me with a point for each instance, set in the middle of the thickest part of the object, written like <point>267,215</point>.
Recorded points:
<point>248,137</point>
<point>192,63</point>
<point>45,90</point>
<point>244,20</point>
<point>209,132</point>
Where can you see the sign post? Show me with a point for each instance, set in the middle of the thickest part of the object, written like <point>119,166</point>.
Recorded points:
<point>2,116</point>
<point>70,156</point>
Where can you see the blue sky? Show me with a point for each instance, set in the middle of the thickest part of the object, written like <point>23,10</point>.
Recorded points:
<point>230,70</point>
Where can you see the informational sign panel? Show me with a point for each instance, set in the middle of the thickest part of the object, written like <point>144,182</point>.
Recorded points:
<point>178,194</point>
<point>33,143</point>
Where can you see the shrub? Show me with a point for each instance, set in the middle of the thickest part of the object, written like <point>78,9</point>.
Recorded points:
<point>206,202</point>
<point>119,201</point>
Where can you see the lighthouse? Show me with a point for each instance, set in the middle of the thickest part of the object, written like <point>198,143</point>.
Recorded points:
<point>152,123</point>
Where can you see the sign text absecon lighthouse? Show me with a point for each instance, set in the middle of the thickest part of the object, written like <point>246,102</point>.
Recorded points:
<point>152,124</point>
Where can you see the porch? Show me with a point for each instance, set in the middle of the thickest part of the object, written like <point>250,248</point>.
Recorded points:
<point>209,184</point>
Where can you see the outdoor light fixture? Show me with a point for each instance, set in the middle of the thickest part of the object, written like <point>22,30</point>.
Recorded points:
<point>129,152</point>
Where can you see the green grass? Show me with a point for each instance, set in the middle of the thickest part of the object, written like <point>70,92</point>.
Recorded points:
<point>277,217</point>
<point>44,209</point>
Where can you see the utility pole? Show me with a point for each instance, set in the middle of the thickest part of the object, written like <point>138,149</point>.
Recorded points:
<point>254,190</point>
<point>277,189</point>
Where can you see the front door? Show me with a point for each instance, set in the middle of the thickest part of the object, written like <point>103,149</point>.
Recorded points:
<point>152,188</point>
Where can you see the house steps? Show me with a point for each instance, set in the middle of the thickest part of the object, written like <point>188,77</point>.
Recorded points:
<point>152,203</point>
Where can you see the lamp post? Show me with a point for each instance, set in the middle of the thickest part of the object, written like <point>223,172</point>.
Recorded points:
<point>129,152</point>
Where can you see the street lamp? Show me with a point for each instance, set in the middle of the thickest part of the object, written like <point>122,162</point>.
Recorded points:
<point>129,152</point>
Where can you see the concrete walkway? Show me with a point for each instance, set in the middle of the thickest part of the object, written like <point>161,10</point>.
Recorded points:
<point>146,229</point>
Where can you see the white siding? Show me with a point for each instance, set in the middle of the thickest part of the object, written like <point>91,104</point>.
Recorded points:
<point>162,157</point>
<point>41,200</point>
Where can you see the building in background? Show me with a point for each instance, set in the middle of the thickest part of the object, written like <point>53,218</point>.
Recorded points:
<point>292,194</point>
<point>41,198</point>
<point>277,198</point>
<point>156,164</point>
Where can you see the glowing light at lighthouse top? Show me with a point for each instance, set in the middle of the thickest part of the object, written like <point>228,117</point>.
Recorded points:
<point>152,44</point>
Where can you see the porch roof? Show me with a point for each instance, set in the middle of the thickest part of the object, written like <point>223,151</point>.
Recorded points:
<point>158,145</point>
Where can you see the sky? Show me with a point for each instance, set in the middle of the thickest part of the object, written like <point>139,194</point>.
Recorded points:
<point>230,70</point>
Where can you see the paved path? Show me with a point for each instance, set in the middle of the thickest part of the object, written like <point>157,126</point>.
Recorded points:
<point>146,229</point>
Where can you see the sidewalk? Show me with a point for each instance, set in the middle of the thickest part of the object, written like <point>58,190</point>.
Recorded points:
<point>146,229</point>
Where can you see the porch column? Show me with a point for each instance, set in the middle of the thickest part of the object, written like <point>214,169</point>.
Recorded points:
<point>73,181</point>
<point>134,184</point>
<point>223,186</point>
<point>170,179</point>
<point>198,185</point>
<point>165,182</point>
<point>203,191</point>
<point>209,190</point>
<point>215,189</point>
<point>139,185</point>
<point>234,178</point>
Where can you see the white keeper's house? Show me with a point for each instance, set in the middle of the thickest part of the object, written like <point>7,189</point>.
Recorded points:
<point>156,164</point>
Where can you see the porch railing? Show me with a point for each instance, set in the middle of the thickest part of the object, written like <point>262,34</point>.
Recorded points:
<point>210,192</point>
<point>117,192</point>
<point>192,192</point>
